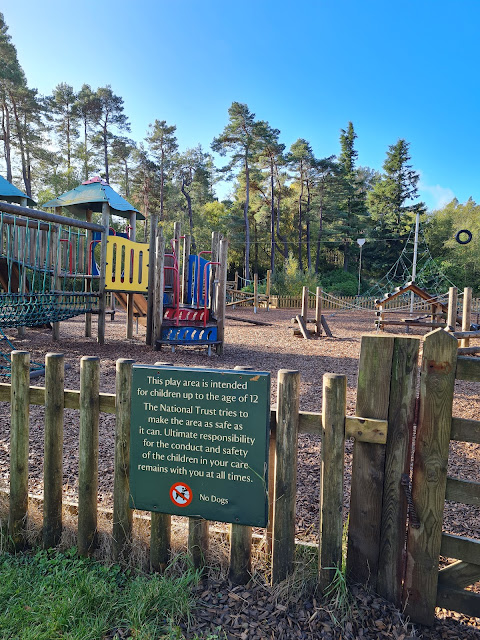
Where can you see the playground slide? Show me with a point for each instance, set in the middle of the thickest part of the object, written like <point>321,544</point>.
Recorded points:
<point>139,305</point>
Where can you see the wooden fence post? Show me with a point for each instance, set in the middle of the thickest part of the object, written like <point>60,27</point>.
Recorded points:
<point>437,381</point>
<point>198,541</point>
<point>255,292</point>
<point>53,461</point>
<point>159,288</point>
<point>288,399</point>
<point>452,309</point>
<point>20,410</point>
<point>318,311</point>
<point>269,285</point>
<point>331,476</point>
<point>88,453</point>
<point>373,396</point>
<point>466,315</point>
<point>122,514</point>
<point>160,531</point>
<point>401,416</point>
<point>240,565</point>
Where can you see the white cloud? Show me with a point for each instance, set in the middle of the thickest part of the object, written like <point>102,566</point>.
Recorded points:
<point>435,196</point>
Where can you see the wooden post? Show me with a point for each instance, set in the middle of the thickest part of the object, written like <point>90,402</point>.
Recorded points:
<point>53,456</point>
<point>318,311</point>
<point>103,266</point>
<point>214,257</point>
<point>159,288</point>
<point>288,399</point>
<point>160,531</point>
<point>466,315</point>
<point>373,397</point>
<point>236,280</point>
<point>452,309</point>
<point>19,433</point>
<point>88,281</point>
<point>221,293</point>
<point>401,416</point>
<point>197,541</point>
<point>331,476</point>
<point>57,247</point>
<point>122,514</point>
<point>88,454</point>
<point>304,313</point>
<point>269,284</point>
<point>131,296</point>
<point>240,566</point>
<point>22,276</point>
<point>151,277</point>
<point>255,292</point>
<point>437,383</point>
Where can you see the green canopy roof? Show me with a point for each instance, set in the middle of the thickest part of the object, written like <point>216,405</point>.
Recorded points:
<point>91,195</point>
<point>9,193</point>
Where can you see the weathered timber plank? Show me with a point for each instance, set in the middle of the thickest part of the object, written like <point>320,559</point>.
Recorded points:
<point>465,430</point>
<point>461,548</point>
<point>464,491</point>
<point>303,327</point>
<point>374,373</point>
<point>88,454</point>
<point>468,368</point>
<point>122,514</point>
<point>331,477</point>
<point>325,326</point>
<point>53,450</point>
<point>430,474</point>
<point>459,575</point>
<point>401,417</point>
<point>283,548</point>
<point>459,600</point>
<point>366,429</point>
<point>19,436</point>
<point>71,398</point>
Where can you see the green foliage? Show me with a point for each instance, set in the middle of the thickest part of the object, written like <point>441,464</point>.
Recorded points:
<point>78,599</point>
<point>339,282</point>
<point>290,280</point>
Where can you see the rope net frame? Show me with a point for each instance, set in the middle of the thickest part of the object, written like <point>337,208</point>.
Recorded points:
<point>44,272</point>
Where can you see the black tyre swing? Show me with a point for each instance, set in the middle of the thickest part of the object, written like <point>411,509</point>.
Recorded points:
<point>463,236</point>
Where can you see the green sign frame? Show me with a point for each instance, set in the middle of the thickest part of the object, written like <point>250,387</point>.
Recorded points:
<point>199,443</point>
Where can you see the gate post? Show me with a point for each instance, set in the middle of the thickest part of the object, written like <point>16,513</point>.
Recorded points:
<point>437,381</point>
<point>377,527</point>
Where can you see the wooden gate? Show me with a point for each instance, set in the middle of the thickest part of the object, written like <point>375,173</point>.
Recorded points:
<point>425,587</point>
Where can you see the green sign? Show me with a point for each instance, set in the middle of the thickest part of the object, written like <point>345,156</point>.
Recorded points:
<point>199,443</point>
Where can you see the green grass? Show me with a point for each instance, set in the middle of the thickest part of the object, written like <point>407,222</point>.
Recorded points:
<point>52,596</point>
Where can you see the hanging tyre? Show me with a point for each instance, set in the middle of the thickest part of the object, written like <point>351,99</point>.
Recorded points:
<point>463,236</point>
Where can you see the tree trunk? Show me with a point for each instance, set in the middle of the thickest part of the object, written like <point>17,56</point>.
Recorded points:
<point>307,213</point>
<point>105,151</point>
<point>21,144</point>
<point>300,261</point>
<point>190,216</point>
<point>319,237</point>
<point>6,140</point>
<point>245,218</point>
<point>272,218</point>
<point>162,183</point>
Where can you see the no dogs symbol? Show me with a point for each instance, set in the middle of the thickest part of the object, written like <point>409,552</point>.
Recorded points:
<point>181,494</point>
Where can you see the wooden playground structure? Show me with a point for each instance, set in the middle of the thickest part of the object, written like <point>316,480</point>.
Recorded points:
<point>49,272</point>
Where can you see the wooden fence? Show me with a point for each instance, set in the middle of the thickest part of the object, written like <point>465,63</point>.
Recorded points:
<point>354,302</point>
<point>382,428</point>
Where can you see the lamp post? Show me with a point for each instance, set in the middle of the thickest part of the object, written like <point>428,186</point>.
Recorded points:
<point>360,242</point>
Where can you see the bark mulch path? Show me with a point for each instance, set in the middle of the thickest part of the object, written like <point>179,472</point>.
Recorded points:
<point>266,348</point>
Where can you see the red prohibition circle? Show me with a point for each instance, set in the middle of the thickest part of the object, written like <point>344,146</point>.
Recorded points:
<point>180,494</point>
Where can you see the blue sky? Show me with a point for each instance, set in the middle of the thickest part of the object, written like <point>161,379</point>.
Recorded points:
<point>395,69</point>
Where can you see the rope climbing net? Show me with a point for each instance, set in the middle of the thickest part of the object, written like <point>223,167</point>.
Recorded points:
<point>43,272</point>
